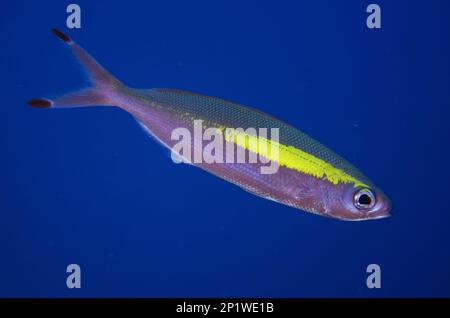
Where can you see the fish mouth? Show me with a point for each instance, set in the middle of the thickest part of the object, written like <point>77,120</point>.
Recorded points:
<point>380,216</point>
<point>367,218</point>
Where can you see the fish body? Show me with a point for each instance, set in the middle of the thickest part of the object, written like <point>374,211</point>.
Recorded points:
<point>308,175</point>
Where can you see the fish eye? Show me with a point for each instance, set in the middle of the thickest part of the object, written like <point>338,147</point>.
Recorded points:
<point>364,199</point>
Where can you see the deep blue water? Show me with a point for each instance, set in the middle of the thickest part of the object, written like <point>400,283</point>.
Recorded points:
<point>86,186</point>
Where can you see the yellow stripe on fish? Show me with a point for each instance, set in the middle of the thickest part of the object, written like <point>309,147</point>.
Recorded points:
<point>290,157</point>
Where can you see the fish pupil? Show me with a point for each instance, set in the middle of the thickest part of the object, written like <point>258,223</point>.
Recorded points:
<point>364,199</point>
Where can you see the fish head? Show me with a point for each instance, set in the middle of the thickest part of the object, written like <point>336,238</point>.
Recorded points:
<point>357,203</point>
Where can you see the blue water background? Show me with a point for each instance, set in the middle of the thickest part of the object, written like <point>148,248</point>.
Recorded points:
<point>86,186</point>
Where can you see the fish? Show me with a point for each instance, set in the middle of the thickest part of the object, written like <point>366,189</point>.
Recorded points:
<point>307,175</point>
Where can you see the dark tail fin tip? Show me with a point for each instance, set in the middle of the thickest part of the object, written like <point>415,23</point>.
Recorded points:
<point>40,103</point>
<point>61,35</point>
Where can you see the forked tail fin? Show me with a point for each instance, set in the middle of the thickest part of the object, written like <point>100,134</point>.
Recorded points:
<point>103,83</point>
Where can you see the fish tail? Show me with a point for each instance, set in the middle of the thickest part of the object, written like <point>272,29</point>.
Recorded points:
<point>102,88</point>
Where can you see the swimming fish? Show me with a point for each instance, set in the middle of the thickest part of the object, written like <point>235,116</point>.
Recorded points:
<point>309,176</point>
